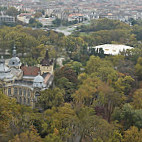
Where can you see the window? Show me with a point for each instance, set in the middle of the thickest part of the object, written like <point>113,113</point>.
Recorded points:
<point>20,100</point>
<point>24,92</point>
<point>106,49</point>
<point>28,101</point>
<point>24,100</point>
<point>29,94</point>
<point>20,91</point>
<point>9,91</point>
<point>15,91</point>
<point>36,96</point>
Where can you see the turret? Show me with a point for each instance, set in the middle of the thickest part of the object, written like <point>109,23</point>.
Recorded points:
<point>14,61</point>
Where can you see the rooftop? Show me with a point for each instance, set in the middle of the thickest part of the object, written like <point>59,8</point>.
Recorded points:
<point>30,71</point>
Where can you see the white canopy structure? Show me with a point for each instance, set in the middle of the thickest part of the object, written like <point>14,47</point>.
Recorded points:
<point>113,49</point>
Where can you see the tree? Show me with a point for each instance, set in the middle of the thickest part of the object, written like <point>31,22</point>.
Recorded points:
<point>32,21</point>
<point>29,136</point>
<point>124,116</point>
<point>8,110</point>
<point>75,47</point>
<point>102,69</point>
<point>126,67</point>
<point>124,84</point>
<point>61,122</point>
<point>138,68</point>
<point>104,24</point>
<point>82,77</point>
<point>14,118</point>
<point>39,51</point>
<point>137,99</point>
<point>52,138</point>
<point>92,127</point>
<point>57,22</point>
<point>133,135</point>
<point>94,92</point>
<point>93,64</point>
<point>38,14</point>
<point>137,30</point>
<point>67,73</point>
<point>12,11</point>
<point>69,87</point>
<point>49,98</point>
<point>128,117</point>
<point>76,66</point>
<point>106,74</point>
<point>35,23</point>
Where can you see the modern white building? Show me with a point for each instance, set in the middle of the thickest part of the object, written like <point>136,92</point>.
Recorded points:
<point>112,49</point>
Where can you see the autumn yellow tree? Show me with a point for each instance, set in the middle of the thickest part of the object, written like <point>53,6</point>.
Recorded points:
<point>28,136</point>
<point>137,99</point>
<point>133,135</point>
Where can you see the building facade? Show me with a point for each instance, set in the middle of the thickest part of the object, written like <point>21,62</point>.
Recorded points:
<point>24,83</point>
<point>7,19</point>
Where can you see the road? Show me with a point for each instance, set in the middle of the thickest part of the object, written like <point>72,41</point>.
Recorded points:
<point>68,30</point>
<point>65,30</point>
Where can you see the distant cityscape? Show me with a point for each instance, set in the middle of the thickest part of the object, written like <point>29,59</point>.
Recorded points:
<point>79,10</point>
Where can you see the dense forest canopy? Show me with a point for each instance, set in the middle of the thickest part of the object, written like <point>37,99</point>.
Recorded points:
<point>96,98</point>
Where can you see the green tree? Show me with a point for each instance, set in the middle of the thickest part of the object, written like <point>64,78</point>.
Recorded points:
<point>57,22</point>
<point>137,99</point>
<point>124,84</point>
<point>52,138</point>
<point>12,11</point>
<point>32,21</point>
<point>8,109</point>
<point>61,122</point>
<point>138,67</point>
<point>76,66</point>
<point>92,127</point>
<point>50,98</point>
<point>38,14</point>
<point>69,87</point>
<point>29,136</point>
<point>66,72</point>
<point>128,117</point>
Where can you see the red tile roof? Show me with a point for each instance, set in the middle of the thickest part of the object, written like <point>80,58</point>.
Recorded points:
<point>30,71</point>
